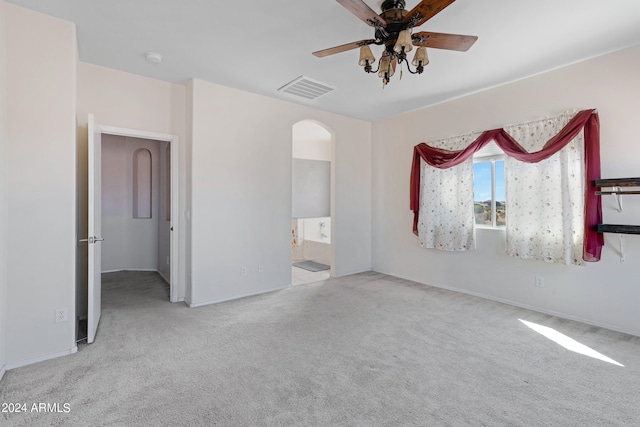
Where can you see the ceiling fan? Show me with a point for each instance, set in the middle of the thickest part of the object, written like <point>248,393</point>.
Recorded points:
<point>393,30</point>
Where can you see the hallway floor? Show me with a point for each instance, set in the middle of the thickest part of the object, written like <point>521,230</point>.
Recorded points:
<point>300,276</point>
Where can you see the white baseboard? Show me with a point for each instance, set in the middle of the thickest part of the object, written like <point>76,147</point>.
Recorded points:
<point>166,279</point>
<point>15,365</point>
<point>525,306</point>
<point>350,273</point>
<point>200,304</point>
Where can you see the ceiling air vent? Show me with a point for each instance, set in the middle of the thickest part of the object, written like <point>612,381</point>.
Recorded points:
<point>306,88</point>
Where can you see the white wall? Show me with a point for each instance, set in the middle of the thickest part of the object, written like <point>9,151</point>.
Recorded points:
<point>129,243</point>
<point>312,153</point>
<point>604,293</point>
<point>311,141</point>
<point>311,193</point>
<point>125,100</point>
<point>3,195</point>
<point>188,110</point>
<point>241,191</point>
<point>41,61</point>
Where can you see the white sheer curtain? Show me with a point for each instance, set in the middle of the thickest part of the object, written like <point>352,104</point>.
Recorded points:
<point>545,200</point>
<point>446,218</point>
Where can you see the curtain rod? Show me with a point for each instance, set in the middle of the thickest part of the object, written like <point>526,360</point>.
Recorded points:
<point>574,112</point>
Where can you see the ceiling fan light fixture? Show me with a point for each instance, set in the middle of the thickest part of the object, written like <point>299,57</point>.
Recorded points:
<point>404,41</point>
<point>385,67</point>
<point>366,56</point>
<point>393,30</point>
<point>420,58</point>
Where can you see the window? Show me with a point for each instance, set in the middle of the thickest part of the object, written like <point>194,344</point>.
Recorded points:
<point>489,201</point>
<point>551,217</point>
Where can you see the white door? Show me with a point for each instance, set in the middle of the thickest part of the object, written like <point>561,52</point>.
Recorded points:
<point>95,228</point>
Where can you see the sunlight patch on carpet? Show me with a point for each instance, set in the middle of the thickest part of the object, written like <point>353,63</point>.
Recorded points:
<point>568,343</point>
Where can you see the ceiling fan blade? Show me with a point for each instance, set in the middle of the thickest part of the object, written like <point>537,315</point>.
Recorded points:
<point>342,48</point>
<point>443,41</point>
<point>424,11</point>
<point>364,12</point>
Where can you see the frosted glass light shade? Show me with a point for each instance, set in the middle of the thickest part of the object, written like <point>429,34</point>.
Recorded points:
<point>404,40</point>
<point>385,66</point>
<point>366,55</point>
<point>420,57</point>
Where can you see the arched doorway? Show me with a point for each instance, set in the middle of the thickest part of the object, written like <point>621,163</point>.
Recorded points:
<point>312,195</point>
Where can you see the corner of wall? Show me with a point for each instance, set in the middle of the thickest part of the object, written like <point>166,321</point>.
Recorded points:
<point>3,197</point>
<point>41,55</point>
<point>187,147</point>
<point>603,293</point>
<point>73,291</point>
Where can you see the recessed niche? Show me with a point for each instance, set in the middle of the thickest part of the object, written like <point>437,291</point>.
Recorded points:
<point>142,183</point>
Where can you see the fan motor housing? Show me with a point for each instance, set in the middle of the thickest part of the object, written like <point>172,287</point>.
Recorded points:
<point>393,12</point>
<point>393,4</point>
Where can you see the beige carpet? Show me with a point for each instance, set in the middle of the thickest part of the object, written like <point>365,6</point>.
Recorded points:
<point>363,350</point>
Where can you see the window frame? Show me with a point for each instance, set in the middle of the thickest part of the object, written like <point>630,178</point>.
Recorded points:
<point>492,159</point>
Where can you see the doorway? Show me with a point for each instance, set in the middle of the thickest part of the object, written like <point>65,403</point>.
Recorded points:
<point>136,205</point>
<point>311,223</point>
<point>140,164</point>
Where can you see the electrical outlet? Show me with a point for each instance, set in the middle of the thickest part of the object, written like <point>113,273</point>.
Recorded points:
<point>61,315</point>
<point>540,281</point>
<point>244,270</point>
<point>260,268</point>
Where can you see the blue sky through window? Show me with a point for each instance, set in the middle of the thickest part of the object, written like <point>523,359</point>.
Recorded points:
<point>482,181</point>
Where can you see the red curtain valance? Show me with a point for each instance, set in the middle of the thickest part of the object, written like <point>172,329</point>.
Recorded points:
<point>587,119</point>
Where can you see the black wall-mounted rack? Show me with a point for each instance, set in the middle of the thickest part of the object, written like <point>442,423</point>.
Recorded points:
<point>619,187</point>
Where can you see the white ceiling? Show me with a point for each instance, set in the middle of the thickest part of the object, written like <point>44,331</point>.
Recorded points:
<point>259,45</point>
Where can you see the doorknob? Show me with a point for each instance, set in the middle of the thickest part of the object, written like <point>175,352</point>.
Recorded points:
<point>92,239</point>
